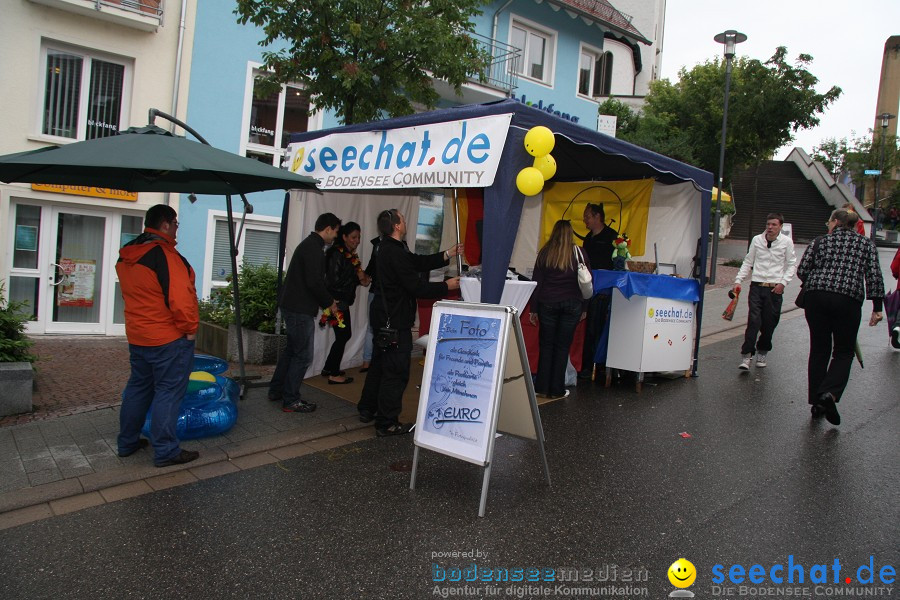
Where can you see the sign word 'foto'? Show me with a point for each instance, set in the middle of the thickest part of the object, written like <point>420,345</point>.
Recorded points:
<point>85,190</point>
<point>462,153</point>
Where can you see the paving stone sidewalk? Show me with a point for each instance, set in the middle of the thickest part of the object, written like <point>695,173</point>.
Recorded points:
<point>68,447</point>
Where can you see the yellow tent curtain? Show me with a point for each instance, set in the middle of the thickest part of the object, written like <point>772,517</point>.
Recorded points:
<point>630,214</point>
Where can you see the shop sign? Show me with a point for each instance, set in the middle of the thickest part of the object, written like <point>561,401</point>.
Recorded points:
<point>85,190</point>
<point>462,153</point>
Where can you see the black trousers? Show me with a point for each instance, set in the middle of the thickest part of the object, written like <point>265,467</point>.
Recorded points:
<point>765,312</point>
<point>597,309</point>
<point>341,337</point>
<point>833,321</point>
<point>557,328</point>
<point>386,381</point>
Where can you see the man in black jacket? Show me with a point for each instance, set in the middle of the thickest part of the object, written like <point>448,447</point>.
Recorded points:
<point>598,245</point>
<point>397,286</point>
<point>302,294</point>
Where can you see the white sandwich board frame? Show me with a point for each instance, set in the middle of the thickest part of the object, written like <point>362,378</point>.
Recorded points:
<point>476,382</point>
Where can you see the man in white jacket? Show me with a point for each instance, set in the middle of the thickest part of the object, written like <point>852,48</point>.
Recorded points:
<point>773,262</point>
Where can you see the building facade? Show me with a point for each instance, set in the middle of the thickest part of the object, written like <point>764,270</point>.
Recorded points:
<point>564,57</point>
<point>84,69</point>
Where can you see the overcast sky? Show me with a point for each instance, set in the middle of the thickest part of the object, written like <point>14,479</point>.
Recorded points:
<point>845,38</point>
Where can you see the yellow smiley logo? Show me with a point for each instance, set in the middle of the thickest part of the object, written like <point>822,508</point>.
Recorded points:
<point>650,313</point>
<point>682,573</point>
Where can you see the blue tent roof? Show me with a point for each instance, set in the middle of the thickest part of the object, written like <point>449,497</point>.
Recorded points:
<point>581,155</point>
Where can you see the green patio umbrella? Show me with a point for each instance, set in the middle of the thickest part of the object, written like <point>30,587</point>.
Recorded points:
<point>148,159</point>
<point>151,159</point>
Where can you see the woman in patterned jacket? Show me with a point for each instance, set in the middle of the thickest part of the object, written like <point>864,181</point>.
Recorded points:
<point>839,270</point>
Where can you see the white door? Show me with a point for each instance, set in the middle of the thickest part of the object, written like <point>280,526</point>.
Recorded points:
<point>76,283</point>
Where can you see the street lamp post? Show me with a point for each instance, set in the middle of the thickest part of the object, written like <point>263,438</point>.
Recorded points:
<point>885,117</point>
<point>730,38</point>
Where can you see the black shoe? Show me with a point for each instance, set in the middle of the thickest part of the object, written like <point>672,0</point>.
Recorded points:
<point>895,337</point>
<point>274,397</point>
<point>327,373</point>
<point>366,417</point>
<point>395,429</point>
<point>817,411</point>
<point>831,412</point>
<point>346,380</point>
<point>185,456</point>
<point>141,444</point>
<point>586,374</point>
<point>299,407</point>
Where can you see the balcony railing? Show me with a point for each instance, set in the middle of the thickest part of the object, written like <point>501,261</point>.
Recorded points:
<point>140,14</point>
<point>500,74</point>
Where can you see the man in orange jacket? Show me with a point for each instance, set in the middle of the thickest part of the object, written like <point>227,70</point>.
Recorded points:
<point>161,318</point>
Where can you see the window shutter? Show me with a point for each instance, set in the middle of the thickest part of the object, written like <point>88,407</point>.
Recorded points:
<point>260,247</point>
<point>221,264</point>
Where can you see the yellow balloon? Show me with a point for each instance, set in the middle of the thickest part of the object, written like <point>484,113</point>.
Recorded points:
<point>530,181</point>
<point>539,141</point>
<point>546,165</point>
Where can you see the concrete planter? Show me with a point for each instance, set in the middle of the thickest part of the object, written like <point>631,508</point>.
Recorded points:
<point>259,348</point>
<point>17,383</point>
<point>891,235</point>
<point>212,339</point>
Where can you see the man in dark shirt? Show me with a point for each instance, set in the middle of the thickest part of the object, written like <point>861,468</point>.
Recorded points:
<point>302,294</point>
<point>396,287</point>
<point>598,245</point>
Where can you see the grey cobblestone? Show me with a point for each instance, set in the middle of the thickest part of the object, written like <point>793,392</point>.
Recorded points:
<point>36,465</point>
<point>46,476</point>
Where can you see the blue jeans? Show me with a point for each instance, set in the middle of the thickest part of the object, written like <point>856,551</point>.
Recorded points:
<point>158,382</point>
<point>557,328</point>
<point>297,356</point>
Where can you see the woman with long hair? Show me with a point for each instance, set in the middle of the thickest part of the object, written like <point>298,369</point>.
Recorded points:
<point>559,306</point>
<point>839,270</point>
<point>343,272</point>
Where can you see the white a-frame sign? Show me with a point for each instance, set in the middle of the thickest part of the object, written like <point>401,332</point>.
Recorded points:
<point>476,382</point>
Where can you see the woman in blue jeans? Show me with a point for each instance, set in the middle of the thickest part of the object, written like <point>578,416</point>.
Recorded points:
<point>559,307</point>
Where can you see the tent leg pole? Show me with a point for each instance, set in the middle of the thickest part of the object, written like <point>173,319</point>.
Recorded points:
<point>456,216</point>
<point>237,295</point>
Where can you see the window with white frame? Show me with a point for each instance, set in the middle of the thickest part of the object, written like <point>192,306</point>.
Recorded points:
<point>536,59</point>
<point>258,244</point>
<point>271,121</point>
<point>85,93</point>
<point>595,70</point>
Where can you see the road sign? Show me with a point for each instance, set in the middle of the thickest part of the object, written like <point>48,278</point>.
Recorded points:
<point>872,172</point>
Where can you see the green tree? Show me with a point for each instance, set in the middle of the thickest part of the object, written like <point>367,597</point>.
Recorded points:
<point>854,155</point>
<point>364,58</point>
<point>768,102</point>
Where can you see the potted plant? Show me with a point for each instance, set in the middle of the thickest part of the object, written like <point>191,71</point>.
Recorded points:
<point>259,304</point>
<point>16,371</point>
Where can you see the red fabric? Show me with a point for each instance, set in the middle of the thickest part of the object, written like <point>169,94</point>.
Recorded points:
<point>860,228</point>
<point>474,213</point>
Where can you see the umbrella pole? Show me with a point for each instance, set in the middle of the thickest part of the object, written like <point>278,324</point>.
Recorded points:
<point>237,295</point>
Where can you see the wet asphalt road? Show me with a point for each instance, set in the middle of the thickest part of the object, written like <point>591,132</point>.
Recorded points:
<point>757,481</point>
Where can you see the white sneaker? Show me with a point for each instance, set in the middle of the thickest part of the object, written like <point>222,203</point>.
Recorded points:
<point>761,359</point>
<point>745,362</point>
<point>895,337</point>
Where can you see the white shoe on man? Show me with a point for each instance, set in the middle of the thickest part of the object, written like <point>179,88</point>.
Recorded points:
<point>745,362</point>
<point>761,359</point>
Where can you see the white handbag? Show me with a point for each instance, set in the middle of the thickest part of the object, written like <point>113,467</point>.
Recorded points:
<point>585,278</point>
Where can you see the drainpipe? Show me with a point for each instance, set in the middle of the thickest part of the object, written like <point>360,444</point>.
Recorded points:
<point>177,83</point>
<point>496,20</point>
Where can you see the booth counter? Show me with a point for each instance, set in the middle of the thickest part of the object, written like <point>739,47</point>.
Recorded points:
<point>651,322</point>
